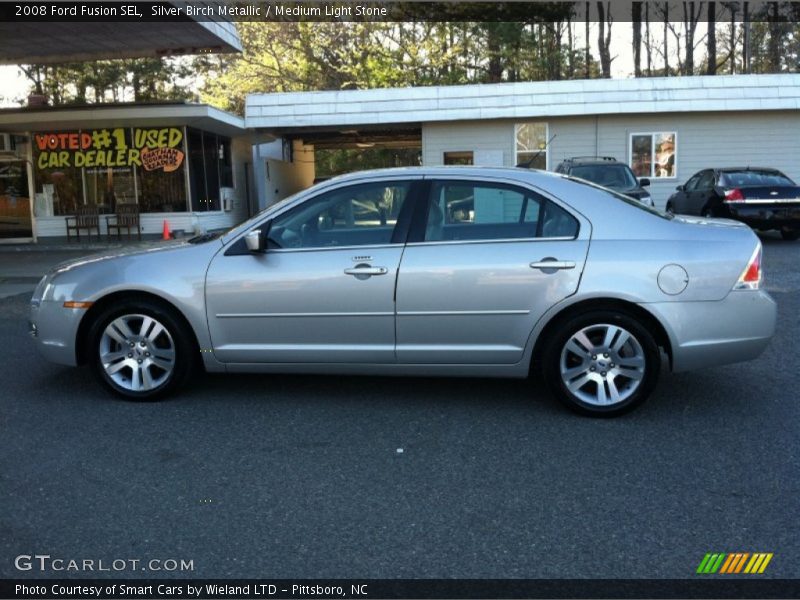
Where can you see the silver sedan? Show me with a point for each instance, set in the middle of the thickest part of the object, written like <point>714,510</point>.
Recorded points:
<point>428,271</point>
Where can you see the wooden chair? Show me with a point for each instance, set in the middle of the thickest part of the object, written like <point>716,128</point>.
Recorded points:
<point>126,217</point>
<point>86,217</point>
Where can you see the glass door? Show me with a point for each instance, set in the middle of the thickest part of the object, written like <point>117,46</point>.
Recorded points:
<point>15,202</point>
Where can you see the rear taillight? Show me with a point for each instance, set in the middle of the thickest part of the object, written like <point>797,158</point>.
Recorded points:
<point>734,195</point>
<point>751,277</point>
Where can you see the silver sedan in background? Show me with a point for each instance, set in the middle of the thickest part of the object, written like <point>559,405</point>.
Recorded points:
<point>483,272</point>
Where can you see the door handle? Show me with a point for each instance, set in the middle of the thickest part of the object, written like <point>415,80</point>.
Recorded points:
<point>366,271</point>
<point>551,263</point>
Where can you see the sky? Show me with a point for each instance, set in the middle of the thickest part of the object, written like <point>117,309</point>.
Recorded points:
<point>14,85</point>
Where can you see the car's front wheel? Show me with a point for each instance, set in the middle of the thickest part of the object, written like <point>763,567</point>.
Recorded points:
<point>141,350</point>
<point>602,363</point>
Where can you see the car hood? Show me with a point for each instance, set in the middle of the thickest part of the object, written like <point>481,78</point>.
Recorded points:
<point>111,254</point>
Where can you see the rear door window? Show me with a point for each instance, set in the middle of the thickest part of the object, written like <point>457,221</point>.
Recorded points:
<point>469,211</point>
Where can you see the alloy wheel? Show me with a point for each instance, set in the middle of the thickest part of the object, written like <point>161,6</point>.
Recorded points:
<point>602,365</point>
<point>137,352</point>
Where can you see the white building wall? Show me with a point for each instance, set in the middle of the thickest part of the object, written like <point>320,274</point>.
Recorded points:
<point>278,179</point>
<point>764,138</point>
<point>475,136</point>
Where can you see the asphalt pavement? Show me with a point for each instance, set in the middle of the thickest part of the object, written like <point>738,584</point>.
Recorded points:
<point>312,476</point>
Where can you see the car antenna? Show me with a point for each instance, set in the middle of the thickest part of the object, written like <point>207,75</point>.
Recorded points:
<point>527,164</point>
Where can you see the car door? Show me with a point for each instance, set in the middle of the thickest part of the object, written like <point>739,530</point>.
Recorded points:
<point>701,196</point>
<point>484,261</point>
<point>323,291</point>
<point>680,200</point>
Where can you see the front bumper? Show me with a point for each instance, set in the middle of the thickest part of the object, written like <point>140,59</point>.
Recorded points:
<point>54,330</point>
<point>764,216</point>
<point>709,334</point>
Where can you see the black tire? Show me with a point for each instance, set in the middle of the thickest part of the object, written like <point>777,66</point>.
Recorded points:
<point>789,234</point>
<point>183,347</point>
<point>707,213</point>
<point>668,209</point>
<point>555,355</point>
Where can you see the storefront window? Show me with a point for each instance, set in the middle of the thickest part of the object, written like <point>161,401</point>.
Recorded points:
<point>209,168</point>
<point>15,211</point>
<point>109,167</point>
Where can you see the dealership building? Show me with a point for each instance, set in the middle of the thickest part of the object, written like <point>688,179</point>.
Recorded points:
<point>200,168</point>
<point>702,122</point>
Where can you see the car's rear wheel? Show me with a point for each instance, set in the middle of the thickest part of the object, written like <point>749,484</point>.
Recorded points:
<point>141,350</point>
<point>602,363</point>
<point>790,234</point>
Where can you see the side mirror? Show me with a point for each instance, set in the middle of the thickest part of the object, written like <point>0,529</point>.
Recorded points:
<point>254,241</point>
<point>644,182</point>
<point>679,188</point>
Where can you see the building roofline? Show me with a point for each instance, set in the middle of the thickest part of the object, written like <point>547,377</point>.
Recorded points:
<point>523,100</point>
<point>149,114</point>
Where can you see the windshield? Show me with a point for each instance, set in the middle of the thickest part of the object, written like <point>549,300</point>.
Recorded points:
<point>624,198</point>
<point>746,178</point>
<point>614,176</point>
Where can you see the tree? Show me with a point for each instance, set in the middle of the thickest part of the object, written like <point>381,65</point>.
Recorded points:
<point>604,21</point>
<point>138,80</point>
<point>636,18</point>
<point>711,39</point>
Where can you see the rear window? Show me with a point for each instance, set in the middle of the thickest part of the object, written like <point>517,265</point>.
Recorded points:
<point>616,177</point>
<point>624,198</point>
<point>753,178</point>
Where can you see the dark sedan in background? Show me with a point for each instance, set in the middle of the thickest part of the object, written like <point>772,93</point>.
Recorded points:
<point>762,198</point>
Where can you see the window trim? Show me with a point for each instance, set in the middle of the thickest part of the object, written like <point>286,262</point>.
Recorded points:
<point>653,135</point>
<point>546,140</point>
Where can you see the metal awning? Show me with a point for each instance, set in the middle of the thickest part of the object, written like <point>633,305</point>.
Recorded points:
<point>59,42</point>
<point>95,116</point>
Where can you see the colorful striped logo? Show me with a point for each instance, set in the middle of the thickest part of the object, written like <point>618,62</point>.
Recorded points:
<point>734,562</point>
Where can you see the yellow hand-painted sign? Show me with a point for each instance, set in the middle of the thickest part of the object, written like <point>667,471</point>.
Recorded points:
<point>156,148</point>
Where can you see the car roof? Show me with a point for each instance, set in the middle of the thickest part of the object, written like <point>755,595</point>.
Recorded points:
<point>737,169</point>
<point>591,160</point>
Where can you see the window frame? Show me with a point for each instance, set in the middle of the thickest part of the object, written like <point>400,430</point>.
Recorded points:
<point>653,135</point>
<point>545,151</point>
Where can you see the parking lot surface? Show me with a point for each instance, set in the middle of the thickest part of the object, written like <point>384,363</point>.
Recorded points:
<point>311,476</point>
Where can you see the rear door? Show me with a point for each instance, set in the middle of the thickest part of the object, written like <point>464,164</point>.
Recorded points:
<point>680,201</point>
<point>701,196</point>
<point>483,264</point>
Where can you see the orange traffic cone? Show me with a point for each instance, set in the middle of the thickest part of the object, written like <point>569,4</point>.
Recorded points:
<point>166,234</point>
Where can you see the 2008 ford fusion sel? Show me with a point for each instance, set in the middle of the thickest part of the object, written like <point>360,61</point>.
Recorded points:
<point>424,271</point>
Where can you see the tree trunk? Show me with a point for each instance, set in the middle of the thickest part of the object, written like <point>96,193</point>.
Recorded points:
<point>648,42</point>
<point>603,38</point>
<point>636,15</point>
<point>746,39</point>
<point>775,39</point>
<point>587,56</point>
<point>666,39</point>
<point>711,39</point>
